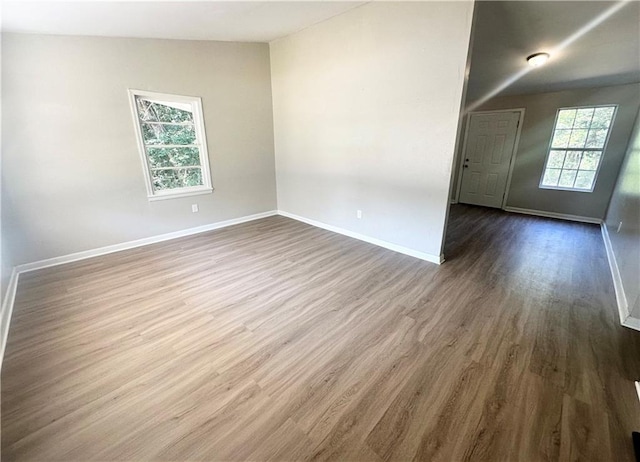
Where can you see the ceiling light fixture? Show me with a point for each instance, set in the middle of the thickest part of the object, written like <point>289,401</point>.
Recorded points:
<point>537,59</point>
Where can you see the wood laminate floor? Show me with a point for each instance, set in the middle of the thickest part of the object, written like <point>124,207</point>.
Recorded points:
<point>274,340</point>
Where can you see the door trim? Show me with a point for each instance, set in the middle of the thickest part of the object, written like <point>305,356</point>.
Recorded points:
<point>516,143</point>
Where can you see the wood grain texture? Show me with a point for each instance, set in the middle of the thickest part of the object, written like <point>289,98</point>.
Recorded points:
<point>274,340</point>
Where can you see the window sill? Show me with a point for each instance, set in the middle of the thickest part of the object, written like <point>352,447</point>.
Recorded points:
<point>556,188</point>
<point>177,195</point>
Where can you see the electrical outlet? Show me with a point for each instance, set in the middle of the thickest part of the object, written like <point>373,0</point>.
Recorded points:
<point>359,214</point>
<point>194,208</point>
<point>619,227</point>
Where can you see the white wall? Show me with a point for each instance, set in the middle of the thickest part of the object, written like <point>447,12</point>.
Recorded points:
<point>365,108</point>
<point>625,208</point>
<point>71,173</point>
<point>5,261</point>
<point>6,266</point>
<point>536,133</point>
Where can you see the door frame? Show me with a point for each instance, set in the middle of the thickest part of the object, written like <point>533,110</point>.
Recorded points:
<point>516,143</point>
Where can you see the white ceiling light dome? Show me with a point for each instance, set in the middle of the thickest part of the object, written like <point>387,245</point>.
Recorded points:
<point>538,59</point>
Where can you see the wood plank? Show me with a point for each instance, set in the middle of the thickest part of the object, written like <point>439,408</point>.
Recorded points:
<point>274,340</point>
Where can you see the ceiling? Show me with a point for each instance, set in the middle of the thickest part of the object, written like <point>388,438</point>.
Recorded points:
<point>507,32</point>
<point>225,21</point>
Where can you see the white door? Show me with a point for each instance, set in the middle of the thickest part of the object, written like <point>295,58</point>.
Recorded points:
<point>490,142</point>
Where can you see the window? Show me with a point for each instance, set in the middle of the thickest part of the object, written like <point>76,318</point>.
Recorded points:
<point>578,143</point>
<point>172,144</point>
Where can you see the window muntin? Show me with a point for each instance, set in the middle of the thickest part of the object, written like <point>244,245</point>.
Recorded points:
<point>172,144</point>
<point>575,153</point>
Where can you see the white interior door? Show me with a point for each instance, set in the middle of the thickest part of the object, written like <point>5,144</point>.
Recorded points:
<point>489,148</point>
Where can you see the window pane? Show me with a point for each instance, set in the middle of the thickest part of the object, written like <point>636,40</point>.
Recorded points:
<point>578,138</point>
<point>565,118</point>
<point>602,117</point>
<point>569,165</point>
<point>561,138</point>
<point>590,160</point>
<point>168,134</point>
<point>178,178</point>
<point>584,179</point>
<point>567,178</point>
<point>551,177</point>
<point>596,138</point>
<point>172,141</point>
<point>556,159</point>
<point>164,112</point>
<point>145,111</point>
<point>572,160</point>
<point>583,118</point>
<point>173,157</point>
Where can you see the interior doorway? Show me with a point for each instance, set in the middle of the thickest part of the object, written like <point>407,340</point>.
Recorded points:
<point>489,146</point>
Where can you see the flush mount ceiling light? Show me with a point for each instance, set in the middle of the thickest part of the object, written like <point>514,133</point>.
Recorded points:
<point>537,59</point>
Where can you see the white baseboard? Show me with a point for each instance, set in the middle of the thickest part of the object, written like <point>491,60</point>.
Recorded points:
<point>6,310</point>
<point>623,306</point>
<point>560,216</point>
<point>371,240</point>
<point>139,242</point>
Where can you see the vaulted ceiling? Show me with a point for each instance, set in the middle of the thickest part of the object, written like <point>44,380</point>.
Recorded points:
<point>592,43</point>
<point>190,20</point>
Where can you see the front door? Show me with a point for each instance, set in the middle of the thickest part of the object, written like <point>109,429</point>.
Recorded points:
<point>490,143</point>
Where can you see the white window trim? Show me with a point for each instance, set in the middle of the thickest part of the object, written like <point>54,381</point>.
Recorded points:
<point>201,141</point>
<point>604,148</point>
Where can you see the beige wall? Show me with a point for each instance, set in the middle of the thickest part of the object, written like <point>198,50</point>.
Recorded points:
<point>72,177</point>
<point>625,208</point>
<point>366,107</point>
<point>534,143</point>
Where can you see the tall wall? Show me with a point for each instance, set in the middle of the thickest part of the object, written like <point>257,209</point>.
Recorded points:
<point>365,113</point>
<point>71,173</point>
<point>6,264</point>
<point>625,210</point>
<point>540,112</point>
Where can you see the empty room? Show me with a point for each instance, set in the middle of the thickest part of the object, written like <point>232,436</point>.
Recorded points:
<point>342,231</point>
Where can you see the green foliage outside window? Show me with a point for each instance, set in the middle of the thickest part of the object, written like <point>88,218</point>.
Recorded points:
<point>164,124</point>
